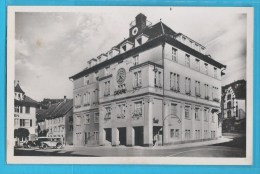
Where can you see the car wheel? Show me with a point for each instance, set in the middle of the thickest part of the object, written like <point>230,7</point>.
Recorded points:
<point>44,146</point>
<point>59,146</point>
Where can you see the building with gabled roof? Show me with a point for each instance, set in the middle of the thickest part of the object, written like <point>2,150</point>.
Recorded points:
<point>156,87</point>
<point>24,113</point>
<point>234,105</point>
<point>59,121</point>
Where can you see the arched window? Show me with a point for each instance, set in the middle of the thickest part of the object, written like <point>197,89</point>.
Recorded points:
<point>229,113</point>
<point>229,97</point>
<point>229,105</point>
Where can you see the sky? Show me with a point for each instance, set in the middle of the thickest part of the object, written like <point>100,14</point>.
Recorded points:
<point>52,46</point>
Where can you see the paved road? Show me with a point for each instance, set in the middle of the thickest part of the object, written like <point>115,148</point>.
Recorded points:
<point>202,151</point>
<point>235,147</point>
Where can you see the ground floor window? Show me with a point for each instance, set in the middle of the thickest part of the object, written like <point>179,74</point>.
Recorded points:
<point>175,133</point>
<point>187,134</point>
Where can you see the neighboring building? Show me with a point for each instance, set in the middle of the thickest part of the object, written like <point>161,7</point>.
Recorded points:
<point>59,121</point>
<point>234,106</point>
<point>24,112</point>
<point>155,87</point>
<point>40,122</point>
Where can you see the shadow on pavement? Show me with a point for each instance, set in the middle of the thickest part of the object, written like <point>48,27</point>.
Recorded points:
<point>237,142</point>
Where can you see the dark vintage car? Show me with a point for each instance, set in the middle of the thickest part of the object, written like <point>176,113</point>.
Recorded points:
<point>29,144</point>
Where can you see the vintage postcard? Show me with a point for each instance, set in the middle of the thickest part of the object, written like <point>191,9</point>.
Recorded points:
<point>130,85</point>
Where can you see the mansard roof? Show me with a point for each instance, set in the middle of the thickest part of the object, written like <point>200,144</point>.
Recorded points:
<point>158,34</point>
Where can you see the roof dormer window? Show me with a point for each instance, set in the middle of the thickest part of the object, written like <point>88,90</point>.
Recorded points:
<point>124,47</point>
<point>139,41</point>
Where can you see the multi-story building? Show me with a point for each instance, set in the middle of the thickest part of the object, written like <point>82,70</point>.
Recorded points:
<point>59,121</point>
<point>24,113</point>
<point>234,105</point>
<point>155,87</point>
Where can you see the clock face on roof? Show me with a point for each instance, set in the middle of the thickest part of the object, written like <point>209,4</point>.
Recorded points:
<point>121,75</point>
<point>134,31</point>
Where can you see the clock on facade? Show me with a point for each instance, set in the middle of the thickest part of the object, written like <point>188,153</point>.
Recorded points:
<point>121,75</point>
<point>134,31</point>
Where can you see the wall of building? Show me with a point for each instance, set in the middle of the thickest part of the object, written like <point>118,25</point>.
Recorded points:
<point>241,109</point>
<point>28,116</point>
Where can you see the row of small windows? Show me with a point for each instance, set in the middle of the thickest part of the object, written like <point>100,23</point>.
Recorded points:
<point>23,122</point>
<point>55,120</point>
<point>56,129</point>
<point>175,134</point>
<point>121,111</point>
<point>85,118</point>
<point>19,109</point>
<point>197,63</point>
<point>175,86</point>
<point>86,98</point>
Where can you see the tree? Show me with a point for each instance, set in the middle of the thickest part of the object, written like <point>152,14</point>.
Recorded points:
<point>21,133</point>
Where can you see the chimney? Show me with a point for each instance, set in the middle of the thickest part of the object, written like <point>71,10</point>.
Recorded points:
<point>140,20</point>
<point>65,98</point>
<point>138,25</point>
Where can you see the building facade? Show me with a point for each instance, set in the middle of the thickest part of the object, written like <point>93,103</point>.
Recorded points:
<point>59,121</point>
<point>234,106</point>
<point>157,87</point>
<point>24,113</point>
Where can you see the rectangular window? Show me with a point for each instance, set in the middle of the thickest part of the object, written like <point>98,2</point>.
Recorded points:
<point>187,85</point>
<point>172,131</point>
<point>137,79</point>
<point>174,109</point>
<point>96,117</point>
<point>157,79</point>
<point>187,60</point>
<point>30,122</point>
<point>206,91</point>
<point>21,109</point>
<point>16,109</point>
<point>86,80</point>
<point>213,119</point>
<point>121,111</point>
<point>107,88</point>
<point>215,72</point>
<point>197,64</point>
<point>108,113</point>
<point>206,68</point>
<point>197,114</point>
<point>136,59</point>
<point>78,120</point>
<point>87,118</point>
<point>138,108</point>
<point>187,112</point>
<point>205,115</point>
<point>27,109</point>
<point>197,88</point>
<point>174,54</point>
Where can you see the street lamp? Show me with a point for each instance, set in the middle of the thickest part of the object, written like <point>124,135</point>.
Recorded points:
<point>172,116</point>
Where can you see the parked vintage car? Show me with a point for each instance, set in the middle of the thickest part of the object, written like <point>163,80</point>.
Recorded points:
<point>29,144</point>
<point>46,142</point>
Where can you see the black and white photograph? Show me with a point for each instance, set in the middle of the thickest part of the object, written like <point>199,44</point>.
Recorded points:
<point>130,85</point>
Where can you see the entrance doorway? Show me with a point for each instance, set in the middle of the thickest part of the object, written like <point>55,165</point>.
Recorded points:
<point>139,136</point>
<point>122,135</point>
<point>157,135</point>
<point>108,137</point>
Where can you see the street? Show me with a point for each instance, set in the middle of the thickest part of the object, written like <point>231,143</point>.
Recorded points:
<point>233,148</point>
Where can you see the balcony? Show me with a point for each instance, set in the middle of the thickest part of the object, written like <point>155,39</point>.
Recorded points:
<point>198,95</point>
<point>188,93</point>
<point>177,90</point>
<point>207,97</point>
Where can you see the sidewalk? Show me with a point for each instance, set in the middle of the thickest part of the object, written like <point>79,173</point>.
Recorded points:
<point>174,146</point>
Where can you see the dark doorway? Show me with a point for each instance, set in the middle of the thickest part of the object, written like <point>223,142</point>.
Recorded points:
<point>157,135</point>
<point>122,135</point>
<point>108,134</point>
<point>139,136</point>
